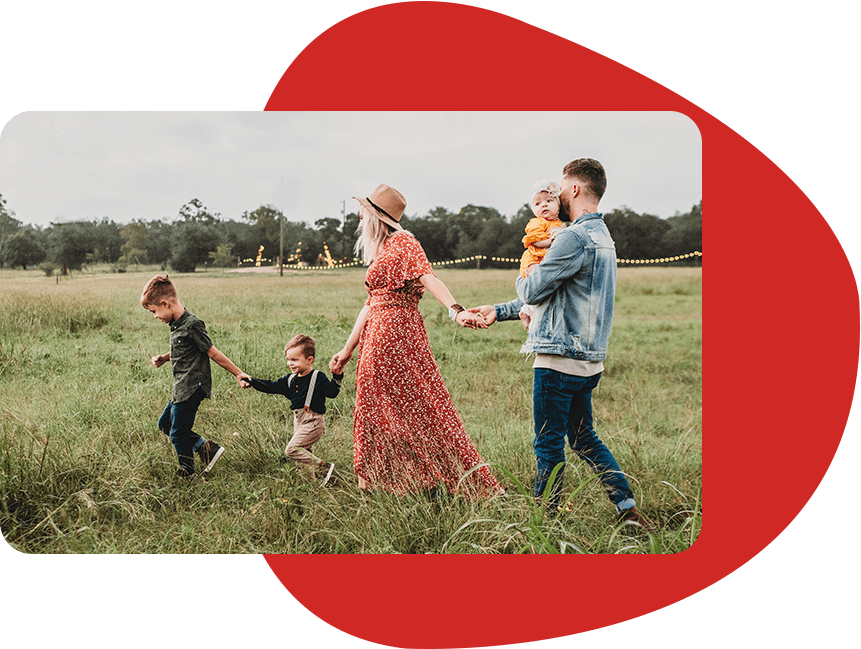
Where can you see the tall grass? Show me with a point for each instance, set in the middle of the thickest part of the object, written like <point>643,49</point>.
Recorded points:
<point>83,467</point>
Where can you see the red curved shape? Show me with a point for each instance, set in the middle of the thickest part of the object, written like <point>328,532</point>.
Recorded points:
<point>779,294</point>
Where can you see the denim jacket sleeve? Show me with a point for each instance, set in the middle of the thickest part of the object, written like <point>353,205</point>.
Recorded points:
<point>509,310</point>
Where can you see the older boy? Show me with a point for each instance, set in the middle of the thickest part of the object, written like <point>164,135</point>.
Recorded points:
<point>190,351</point>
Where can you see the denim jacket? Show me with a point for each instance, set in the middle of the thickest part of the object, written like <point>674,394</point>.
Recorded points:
<point>573,291</point>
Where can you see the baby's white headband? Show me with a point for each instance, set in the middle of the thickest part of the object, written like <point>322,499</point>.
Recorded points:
<point>548,186</point>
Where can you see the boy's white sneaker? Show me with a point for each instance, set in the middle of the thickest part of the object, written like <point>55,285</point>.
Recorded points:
<point>209,454</point>
<point>328,475</point>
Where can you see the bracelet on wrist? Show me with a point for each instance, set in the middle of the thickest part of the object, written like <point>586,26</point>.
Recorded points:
<point>454,309</point>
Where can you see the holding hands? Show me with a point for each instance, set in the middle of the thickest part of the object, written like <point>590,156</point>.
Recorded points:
<point>243,379</point>
<point>487,313</point>
<point>339,360</point>
<point>475,318</point>
<point>471,319</point>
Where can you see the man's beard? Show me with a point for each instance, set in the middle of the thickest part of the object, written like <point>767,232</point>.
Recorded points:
<point>564,213</point>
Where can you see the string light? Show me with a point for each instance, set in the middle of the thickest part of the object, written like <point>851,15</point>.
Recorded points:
<point>332,264</point>
<point>661,260</point>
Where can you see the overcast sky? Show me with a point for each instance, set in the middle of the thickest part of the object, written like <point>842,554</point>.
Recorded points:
<point>127,165</point>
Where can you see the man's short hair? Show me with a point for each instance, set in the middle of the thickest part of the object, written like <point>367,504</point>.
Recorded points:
<point>305,343</point>
<point>157,289</point>
<point>590,172</point>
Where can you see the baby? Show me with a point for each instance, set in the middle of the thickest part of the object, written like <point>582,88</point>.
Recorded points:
<point>540,231</point>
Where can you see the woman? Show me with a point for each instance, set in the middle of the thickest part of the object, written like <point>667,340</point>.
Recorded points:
<point>407,435</point>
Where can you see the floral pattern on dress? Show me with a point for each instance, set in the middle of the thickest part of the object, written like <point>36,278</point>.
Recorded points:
<point>407,435</point>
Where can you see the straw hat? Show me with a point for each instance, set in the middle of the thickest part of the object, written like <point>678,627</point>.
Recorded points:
<point>387,203</point>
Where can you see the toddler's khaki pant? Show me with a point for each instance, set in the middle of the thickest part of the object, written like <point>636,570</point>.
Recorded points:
<point>307,430</point>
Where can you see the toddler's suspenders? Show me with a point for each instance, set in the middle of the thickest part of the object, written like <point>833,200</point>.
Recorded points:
<point>311,385</point>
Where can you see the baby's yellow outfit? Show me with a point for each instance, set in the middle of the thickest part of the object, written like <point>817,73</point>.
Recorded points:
<point>537,229</point>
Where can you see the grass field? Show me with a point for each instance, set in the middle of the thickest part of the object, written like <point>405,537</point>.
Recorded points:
<point>83,468</point>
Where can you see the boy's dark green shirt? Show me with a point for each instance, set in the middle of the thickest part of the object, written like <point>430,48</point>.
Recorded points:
<point>189,344</point>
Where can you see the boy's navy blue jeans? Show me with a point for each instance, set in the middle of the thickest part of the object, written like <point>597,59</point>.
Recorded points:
<point>562,408</point>
<point>176,422</point>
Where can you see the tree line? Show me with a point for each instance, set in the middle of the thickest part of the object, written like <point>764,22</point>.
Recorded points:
<point>200,237</point>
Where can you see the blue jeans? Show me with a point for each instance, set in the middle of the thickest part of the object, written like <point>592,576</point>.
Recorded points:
<point>176,422</point>
<point>562,407</point>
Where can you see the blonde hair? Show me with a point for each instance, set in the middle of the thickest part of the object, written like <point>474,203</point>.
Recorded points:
<point>157,289</point>
<point>374,233</point>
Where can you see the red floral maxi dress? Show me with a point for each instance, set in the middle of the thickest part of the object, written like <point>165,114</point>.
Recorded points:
<point>407,435</point>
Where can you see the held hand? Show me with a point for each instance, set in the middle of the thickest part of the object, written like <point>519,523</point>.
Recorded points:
<point>487,312</point>
<point>471,319</point>
<point>158,361</point>
<point>243,380</point>
<point>339,360</point>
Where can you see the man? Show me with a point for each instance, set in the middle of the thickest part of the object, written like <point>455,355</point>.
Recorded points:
<point>573,290</point>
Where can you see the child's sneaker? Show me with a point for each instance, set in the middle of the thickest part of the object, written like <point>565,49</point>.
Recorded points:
<point>328,473</point>
<point>186,467</point>
<point>186,474</point>
<point>209,454</point>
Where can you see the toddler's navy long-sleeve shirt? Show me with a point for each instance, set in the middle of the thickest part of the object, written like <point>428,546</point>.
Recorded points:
<point>297,392</point>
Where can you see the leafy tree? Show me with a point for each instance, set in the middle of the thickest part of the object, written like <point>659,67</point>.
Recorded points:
<point>192,243</point>
<point>685,233</point>
<point>348,244</point>
<point>511,245</point>
<point>23,249</point>
<point>329,232</point>
<point>299,237</point>
<point>267,226</point>
<point>201,235</point>
<point>521,218</point>
<point>195,212</point>
<point>159,242</point>
<point>9,225</point>
<point>433,233</point>
<point>69,243</point>
<point>108,241</point>
<point>240,237</point>
<point>134,248</point>
<point>222,256</point>
<point>471,229</point>
<point>329,229</point>
<point>637,236</point>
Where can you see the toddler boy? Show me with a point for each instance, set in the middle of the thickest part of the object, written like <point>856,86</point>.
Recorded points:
<point>307,389</point>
